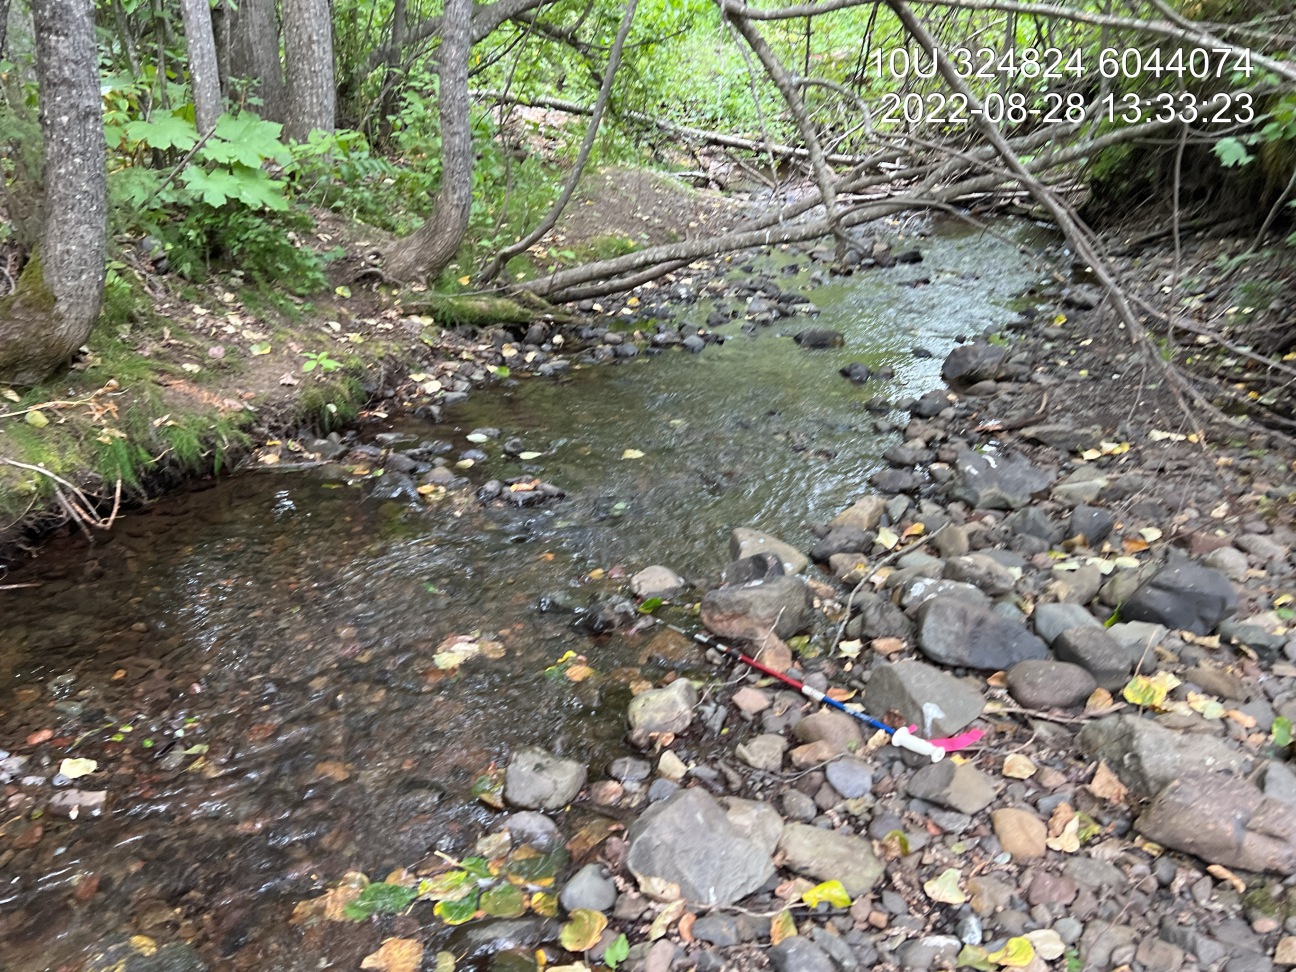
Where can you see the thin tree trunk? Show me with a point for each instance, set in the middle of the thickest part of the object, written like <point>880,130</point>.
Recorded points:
<point>427,251</point>
<point>591,133</point>
<point>308,60</point>
<point>204,76</point>
<point>4,25</point>
<point>254,54</point>
<point>57,299</point>
<point>791,93</point>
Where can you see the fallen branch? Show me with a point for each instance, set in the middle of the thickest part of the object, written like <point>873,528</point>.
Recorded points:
<point>720,139</point>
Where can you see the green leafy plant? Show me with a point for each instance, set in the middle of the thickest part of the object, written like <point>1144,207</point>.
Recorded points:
<point>617,952</point>
<point>320,360</point>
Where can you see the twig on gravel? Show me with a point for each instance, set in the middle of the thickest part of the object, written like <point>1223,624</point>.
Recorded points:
<point>886,561</point>
<point>1017,423</point>
<point>1060,719</point>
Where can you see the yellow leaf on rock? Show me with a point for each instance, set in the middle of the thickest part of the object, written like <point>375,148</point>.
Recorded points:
<point>395,955</point>
<point>887,538</point>
<point>833,892</point>
<point>1149,691</point>
<point>74,769</point>
<point>1018,767</point>
<point>913,530</point>
<point>945,887</point>
<point>583,931</point>
<point>1017,953</point>
<point>782,927</point>
<point>1100,701</point>
<point>632,454</point>
<point>1064,830</point>
<point>668,916</point>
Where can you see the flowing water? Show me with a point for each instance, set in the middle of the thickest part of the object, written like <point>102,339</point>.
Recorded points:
<point>252,665</point>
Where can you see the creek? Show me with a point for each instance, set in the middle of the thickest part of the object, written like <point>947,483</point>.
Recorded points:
<point>251,664</point>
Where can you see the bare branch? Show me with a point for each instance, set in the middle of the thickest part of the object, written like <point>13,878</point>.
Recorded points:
<point>591,132</point>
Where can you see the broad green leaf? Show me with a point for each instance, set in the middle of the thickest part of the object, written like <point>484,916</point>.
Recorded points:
<point>504,901</point>
<point>650,605</point>
<point>1017,953</point>
<point>445,962</point>
<point>583,931</point>
<point>164,132</point>
<point>213,188</point>
<point>833,892</point>
<point>1231,152</point>
<point>246,139</point>
<point>381,899</point>
<point>478,867</point>
<point>1282,732</point>
<point>617,952</point>
<point>457,912</point>
<point>36,418</point>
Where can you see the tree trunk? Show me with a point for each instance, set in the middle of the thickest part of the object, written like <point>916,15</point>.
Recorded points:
<point>427,251</point>
<point>308,60</point>
<point>204,76</point>
<point>4,25</point>
<point>253,53</point>
<point>57,299</point>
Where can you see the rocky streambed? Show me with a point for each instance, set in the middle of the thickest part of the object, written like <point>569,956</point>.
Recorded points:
<point>530,768</point>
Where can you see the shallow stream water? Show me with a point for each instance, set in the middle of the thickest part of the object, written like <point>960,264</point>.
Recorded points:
<point>281,627</point>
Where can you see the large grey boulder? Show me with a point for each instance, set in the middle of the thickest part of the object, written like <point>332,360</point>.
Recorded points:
<point>954,632</point>
<point>1147,756</point>
<point>1052,619</point>
<point>864,514</point>
<point>668,709</point>
<point>1097,652</point>
<point>746,542</point>
<point>960,787</point>
<point>687,840</point>
<point>907,686</point>
<point>1043,684</point>
<point>1223,820</point>
<point>1183,595</point>
<point>995,482</point>
<point>969,363</point>
<point>826,855</point>
<point>748,612</point>
<point>537,780</point>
